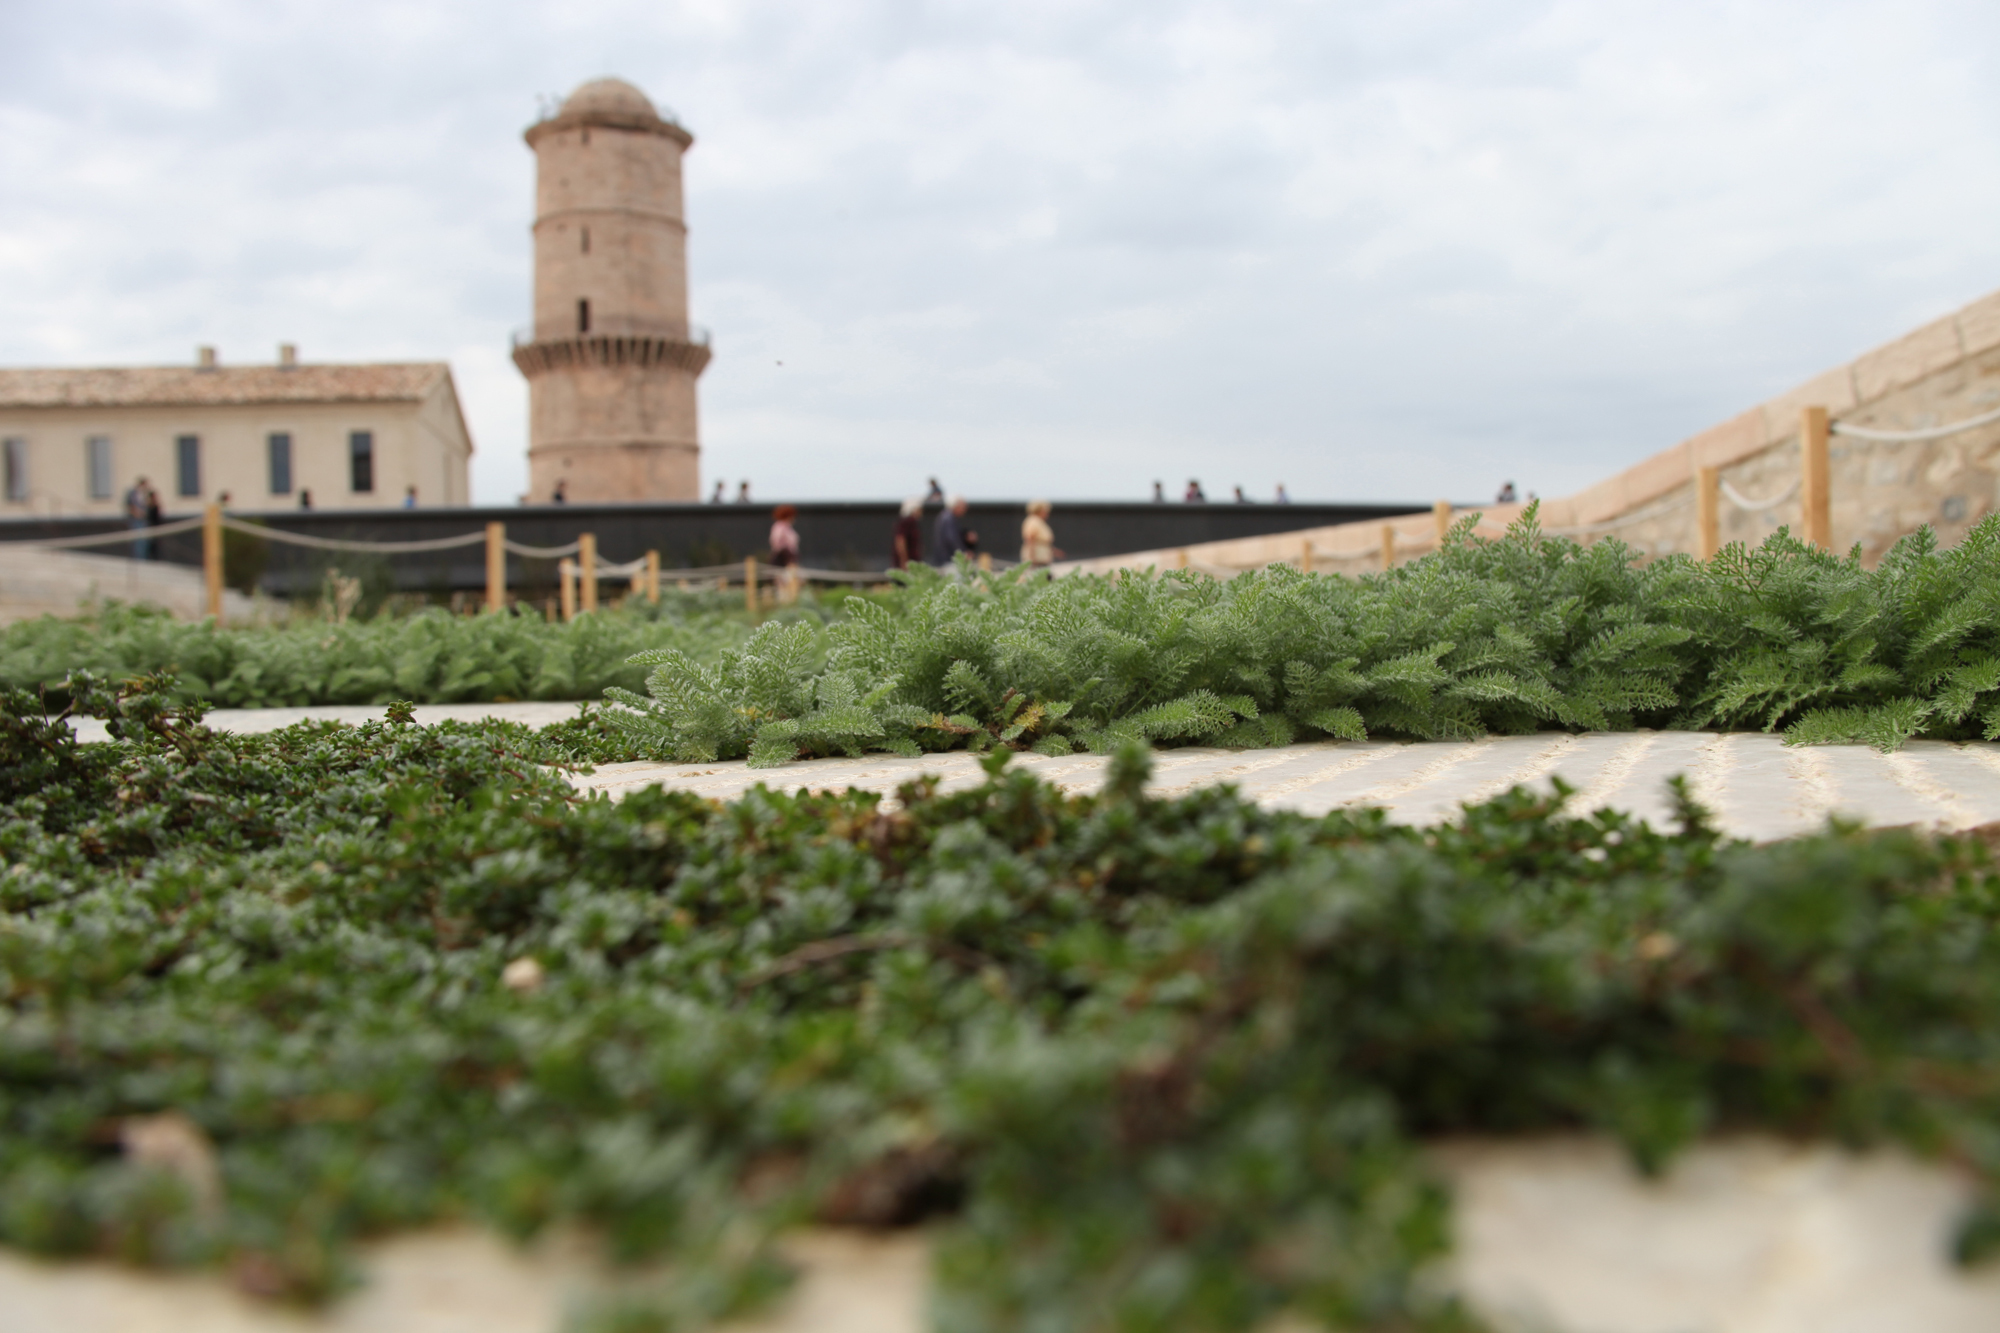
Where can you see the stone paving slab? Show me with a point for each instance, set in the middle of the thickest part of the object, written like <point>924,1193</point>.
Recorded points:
<point>252,721</point>
<point>1758,787</point>
<point>1552,1235</point>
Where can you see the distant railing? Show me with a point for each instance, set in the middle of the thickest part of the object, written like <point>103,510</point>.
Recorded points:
<point>693,333</point>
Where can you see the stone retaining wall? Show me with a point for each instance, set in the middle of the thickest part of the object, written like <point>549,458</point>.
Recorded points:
<point>1944,372</point>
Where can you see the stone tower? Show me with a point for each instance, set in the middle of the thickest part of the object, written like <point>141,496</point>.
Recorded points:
<point>611,361</point>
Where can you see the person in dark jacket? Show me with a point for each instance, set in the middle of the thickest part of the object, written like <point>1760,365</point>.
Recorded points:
<point>153,519</point>
<point>953,537</point>
<point>136,509</point>
<point>907,544</point>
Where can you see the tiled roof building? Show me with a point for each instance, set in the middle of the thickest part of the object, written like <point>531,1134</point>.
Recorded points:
<point>268,436</point>
<point>183,386</point>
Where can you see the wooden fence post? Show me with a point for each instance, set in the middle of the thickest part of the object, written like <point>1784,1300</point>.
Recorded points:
<point>1815,496</point>
<point>496,566</point>
<point>211,558</point>
<point>566,577</point>
<point>986,562</point>
<point>1707,512</point>
<point>653,576</point>
<point>1388,546</point>
<point>1306,558</point>
<point>1181,558</point>
<point>750,586</point>
<point>586,562</point>
<point>1441,515</point>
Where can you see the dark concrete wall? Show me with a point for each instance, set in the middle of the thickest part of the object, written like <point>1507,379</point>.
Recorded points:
<point>853,535</point>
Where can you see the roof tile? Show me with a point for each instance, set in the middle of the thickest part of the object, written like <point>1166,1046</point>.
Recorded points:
<point>188,386</point>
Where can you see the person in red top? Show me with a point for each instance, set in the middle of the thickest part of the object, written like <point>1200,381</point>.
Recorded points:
<point>907,545</point>
<point>785,551</point>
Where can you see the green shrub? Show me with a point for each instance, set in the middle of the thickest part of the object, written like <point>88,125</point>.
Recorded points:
<point>430,656</point>
<point>1508,636</point>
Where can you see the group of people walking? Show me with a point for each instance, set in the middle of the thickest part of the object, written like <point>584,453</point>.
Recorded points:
<point>952,536</point>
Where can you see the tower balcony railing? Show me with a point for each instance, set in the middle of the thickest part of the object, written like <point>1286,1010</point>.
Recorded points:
<point>693,333</point>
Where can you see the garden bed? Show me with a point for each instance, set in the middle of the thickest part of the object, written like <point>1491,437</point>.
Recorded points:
<point>1132,1062</point>
<point>1507,637</point>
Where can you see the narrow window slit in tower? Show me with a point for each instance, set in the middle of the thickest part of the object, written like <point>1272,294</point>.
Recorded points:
<point>583,316</point>
<point>586,240</point>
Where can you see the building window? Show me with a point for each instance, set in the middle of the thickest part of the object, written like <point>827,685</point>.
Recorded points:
<point>586,240</point>
<point>97,466</point>
<point>187,464</point>
<point>16,462</point>
<point>583,316</point>
<point>278,445</point>
<point>361,461</point>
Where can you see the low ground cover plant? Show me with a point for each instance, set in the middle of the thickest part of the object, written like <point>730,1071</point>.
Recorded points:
<point>1143,1064</point>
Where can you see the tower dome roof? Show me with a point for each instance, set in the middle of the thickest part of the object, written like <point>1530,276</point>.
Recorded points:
<point>609,102</point>
<point>612,95</point>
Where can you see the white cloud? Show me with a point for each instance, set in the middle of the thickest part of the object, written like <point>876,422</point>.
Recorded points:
<point>1378,250</point>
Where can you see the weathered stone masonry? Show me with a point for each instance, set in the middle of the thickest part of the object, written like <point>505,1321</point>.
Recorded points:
<point>611,360</point>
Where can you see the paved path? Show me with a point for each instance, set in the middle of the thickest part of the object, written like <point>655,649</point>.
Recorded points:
<point>256,720</point>
<point>1759,787</point>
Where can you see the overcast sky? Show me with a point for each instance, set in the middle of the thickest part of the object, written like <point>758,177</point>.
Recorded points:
<point>1381,250</point>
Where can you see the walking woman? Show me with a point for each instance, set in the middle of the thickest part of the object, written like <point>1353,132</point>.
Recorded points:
<point>785,551</point>
<point>1038,539</point>
<point>907,546</point>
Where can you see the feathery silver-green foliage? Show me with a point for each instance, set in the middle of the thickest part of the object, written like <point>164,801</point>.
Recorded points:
<point>770,700</point>
<point>429,657</point>
<point>1513,635</point>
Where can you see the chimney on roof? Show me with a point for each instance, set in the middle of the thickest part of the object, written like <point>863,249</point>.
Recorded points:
<point>204,357</point>
<point>288,355</point>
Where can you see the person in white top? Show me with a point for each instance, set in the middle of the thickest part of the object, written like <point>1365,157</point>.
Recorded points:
<point>1038,539</point>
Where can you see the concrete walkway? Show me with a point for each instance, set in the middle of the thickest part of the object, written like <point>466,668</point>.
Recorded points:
<point>1745,1234</point>
<point>1758,787</point>
<point>255,721</point>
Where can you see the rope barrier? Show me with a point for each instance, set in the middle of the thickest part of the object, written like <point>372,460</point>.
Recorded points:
<point>1925,433</point>
<point>730,574</point>
<point>541,552</point>
<point>341,544</point>
<point>706,572</point>
<point>844,575</point>
<point>1742,501</point>
<point>127,535</point>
